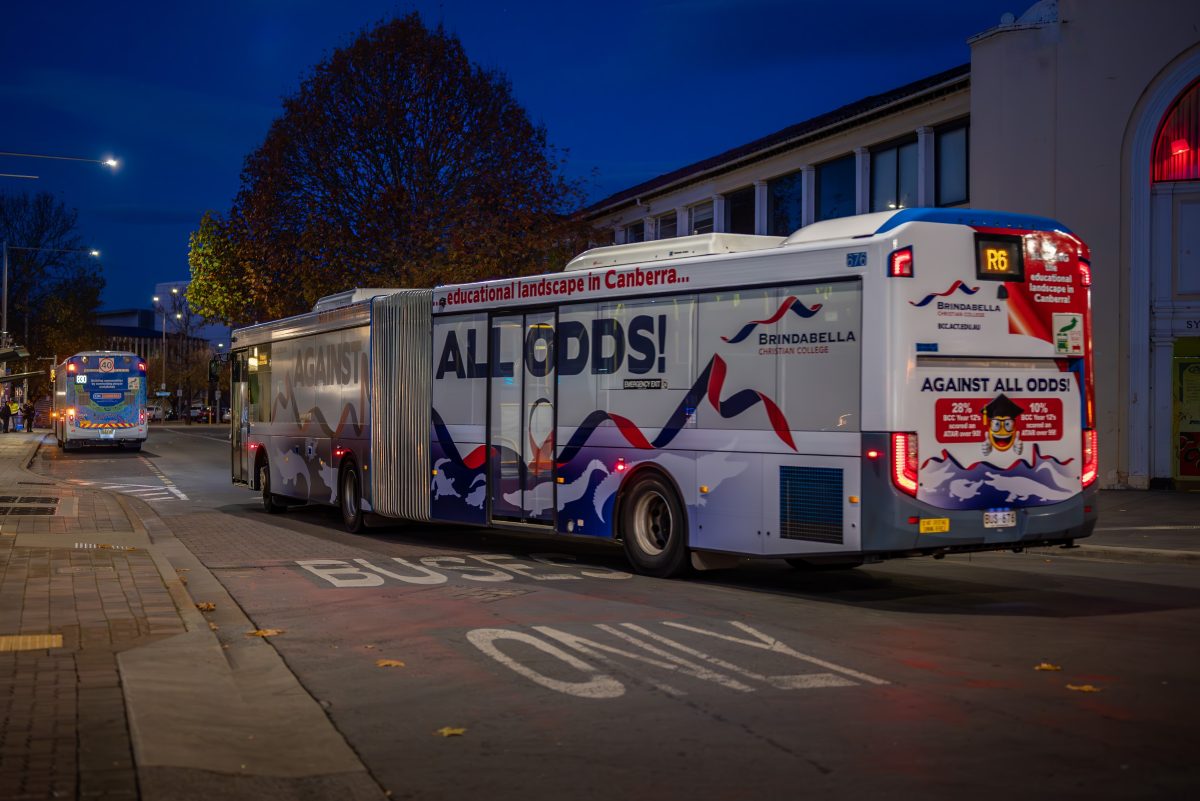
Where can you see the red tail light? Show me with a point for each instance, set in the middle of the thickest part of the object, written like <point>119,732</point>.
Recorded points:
<point>1085,272</point>
<point>904,462</point>
<point>142,417</point>
<point>900,263</point>
<point>339,452</point>
<point>1091,457</point>
<point>142,366</point>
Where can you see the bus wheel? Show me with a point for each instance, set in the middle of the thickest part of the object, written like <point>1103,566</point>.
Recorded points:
<point>350,498</point>
<point>270,501</point>
<point>653,527</point>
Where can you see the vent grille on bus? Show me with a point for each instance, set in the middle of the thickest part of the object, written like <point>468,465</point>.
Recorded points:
<point>810,504</point>
<point>401,397</point>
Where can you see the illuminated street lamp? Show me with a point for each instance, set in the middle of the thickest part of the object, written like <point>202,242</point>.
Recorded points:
<point>162,309</point>
<point>109,162</point>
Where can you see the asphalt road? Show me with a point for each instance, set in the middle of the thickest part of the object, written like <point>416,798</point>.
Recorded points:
<point>525,667</point>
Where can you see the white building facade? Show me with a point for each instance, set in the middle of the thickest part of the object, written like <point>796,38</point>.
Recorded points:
<point>1087,111</point>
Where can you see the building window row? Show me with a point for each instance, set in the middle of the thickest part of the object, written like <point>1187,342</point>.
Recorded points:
<point>893,181</point>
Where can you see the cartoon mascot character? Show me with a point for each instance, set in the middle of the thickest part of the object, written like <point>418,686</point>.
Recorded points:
<point>1000,421</point>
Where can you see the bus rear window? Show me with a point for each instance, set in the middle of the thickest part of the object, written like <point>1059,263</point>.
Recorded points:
<point>999,257</point>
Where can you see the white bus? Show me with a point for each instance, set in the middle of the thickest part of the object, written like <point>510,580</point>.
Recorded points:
<point>100,399</point>
<point>895,384</point>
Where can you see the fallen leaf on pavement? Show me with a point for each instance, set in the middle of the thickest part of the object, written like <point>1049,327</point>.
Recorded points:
<point>448,731</point>
<point>213,626</point>
<point>388,663</point>
<point>1047,666</point>
<point>206,606</point>
<point>264,632</point>
<point>369,647</point>
<point>1083,688</point>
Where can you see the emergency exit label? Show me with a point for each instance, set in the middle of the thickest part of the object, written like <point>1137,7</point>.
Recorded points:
<point>964,419</point>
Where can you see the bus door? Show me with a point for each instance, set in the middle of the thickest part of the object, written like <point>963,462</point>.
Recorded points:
<point>521,418</point>
<point>239,418</point>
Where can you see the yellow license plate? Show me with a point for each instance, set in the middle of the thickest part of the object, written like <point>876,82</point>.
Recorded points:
<point>935,525</point>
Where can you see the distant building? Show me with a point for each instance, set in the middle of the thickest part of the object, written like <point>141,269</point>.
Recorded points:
<point>140,331</point>
<point>1087,111</point>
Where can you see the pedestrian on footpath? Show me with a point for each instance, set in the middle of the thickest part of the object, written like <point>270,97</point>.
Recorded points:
<point>14,411</point>
<point>5,414</point>
<point>29,413</point>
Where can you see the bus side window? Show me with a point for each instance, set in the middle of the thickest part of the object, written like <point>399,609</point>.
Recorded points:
<point>259,387</point>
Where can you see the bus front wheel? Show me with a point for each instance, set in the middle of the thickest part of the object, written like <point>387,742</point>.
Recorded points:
<point>350,498</point>
<point>653,527</point>
<point>270,501</point>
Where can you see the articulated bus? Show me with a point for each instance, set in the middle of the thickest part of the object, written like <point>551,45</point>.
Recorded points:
<point>100,399</point>
<point>896,384</point>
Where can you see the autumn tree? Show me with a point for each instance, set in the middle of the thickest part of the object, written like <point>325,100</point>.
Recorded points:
<point>397,163</point>
<point>53,285</point>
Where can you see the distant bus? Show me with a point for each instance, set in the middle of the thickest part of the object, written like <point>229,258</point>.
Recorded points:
<point>100,399</point>
<point>895,384</point>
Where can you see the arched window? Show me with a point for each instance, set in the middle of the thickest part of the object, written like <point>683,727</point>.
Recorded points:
<point>1177,147</point>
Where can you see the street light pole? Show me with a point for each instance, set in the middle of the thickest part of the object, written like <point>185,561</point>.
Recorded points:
<point>4,287</point>
<point>108,162</point>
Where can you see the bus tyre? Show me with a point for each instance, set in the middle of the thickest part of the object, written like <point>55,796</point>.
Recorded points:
<point>270,501</point>
<point>653,527</point>
<point>350,498</point>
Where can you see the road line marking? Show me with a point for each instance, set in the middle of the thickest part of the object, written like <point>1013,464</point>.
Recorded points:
<point>1148,528</point>
<point>800,682</point>
<point>768,643</point>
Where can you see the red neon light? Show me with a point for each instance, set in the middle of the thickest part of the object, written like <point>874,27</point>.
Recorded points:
<point>904,462</point>
<point>1179,147</point>
<point>900,263</point>
<point>1091,457</point>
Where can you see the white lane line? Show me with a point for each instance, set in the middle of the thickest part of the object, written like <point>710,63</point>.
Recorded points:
<point>1148,528</point>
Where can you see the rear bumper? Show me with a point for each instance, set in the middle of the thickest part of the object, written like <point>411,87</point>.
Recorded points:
<point>886,528</point>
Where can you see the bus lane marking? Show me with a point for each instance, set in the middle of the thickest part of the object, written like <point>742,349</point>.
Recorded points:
<point>598,683</point>
<point>433,570</point>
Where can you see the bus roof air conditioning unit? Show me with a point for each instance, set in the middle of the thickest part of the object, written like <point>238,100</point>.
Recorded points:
<point>680,247</point>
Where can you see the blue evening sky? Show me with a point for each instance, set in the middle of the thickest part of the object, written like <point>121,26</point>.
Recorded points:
<point>182,92</point>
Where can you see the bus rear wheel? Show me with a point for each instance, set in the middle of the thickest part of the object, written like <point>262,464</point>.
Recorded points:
<point>653,527</point>
<point>270,501</point>
<point>350,498</point>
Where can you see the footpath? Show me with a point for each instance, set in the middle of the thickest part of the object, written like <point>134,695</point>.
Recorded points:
<point>115,685</point>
